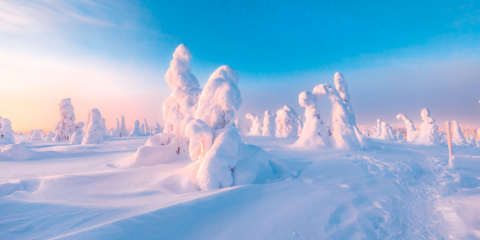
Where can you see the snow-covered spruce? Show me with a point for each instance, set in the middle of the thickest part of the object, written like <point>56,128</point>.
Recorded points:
<point>6,131</point>
<point>136,130</point>
<point>315,132</point>
<point>366,133</point>
<point>94,132</point>
<point>458,139</point>
<point>49,137</point>
<point>387,132</point>
<point>411,131</point>
<point>257,124</point>
<point>147,129</point>
<point>123,128</point>
<point>158,128</point>
<point>399,136</point>
<point>77,136</point>
<point>342,89</point>
<point>66,126</point>
<point>286,123</point>
<point>470,140</point>
<point>377,130</point>
<point>104,129</point>
<point>186,91</point>
<point>36,136</point>
<point>239,126</point>
<point>428,130</point>
<point>220,98</point>
<point>268,128</point>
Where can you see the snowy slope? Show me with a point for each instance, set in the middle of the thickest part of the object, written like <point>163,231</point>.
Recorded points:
<point>393,191</point>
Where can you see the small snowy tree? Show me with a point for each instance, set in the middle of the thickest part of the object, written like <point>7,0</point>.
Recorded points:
<point>66,126</point>
<point>387,132</point>
<point>470,140</point>
<point>286,123</point>
<point>269,124</point>
<point>142,129</point>
<point>117,130</point>
<point>158,128</point>
<point>428,130</point>
<point>36,136</point>
<point>458,138</point>
<point>123,128</point>
<point>77,136</point>
<point>315,132</point>
<point>94,133</point>
<point>104,128</point>
<point>257,124</point>
<point>399,136</point>
<point>239,126</point>
<point>147,129</point>
<point>136,130</point>
<point>6,131</point>
<point>49,137</point>
<point>377,130</point>
<point>411,131</point>
<point>366,133</point>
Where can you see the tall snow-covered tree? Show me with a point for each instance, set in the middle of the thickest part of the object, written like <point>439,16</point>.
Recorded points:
<point>136,129</point>
<point>269,124</point>
<point>94,133</point>
<point>428,130</point>
<point>66,126</point>
<point>458,138</point>
<point>123,128</point>
<point>6,131</point>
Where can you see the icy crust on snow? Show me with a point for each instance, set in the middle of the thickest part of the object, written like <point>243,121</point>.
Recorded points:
<point>6,131</point>
<point>411,131</point>
<point>257,124</point>
<point>268,128</point>
<point>94,133</point>
<point>286,122</point>
<point>220,98</point>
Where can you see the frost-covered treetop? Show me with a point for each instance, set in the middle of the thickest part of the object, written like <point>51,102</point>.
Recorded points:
<point>426,116</point>
<point>66,109</point>
<point>342,87</point>
<point>220,98</point>
<point>178,75</point>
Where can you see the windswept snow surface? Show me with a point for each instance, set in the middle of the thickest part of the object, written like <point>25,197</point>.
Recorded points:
<point>393,191</point>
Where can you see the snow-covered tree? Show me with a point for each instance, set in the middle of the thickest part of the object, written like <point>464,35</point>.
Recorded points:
<point>342,89</point>
<point>300,125</point>
<point>411,131</point>
<point>6,131</point>
<point>201,138</point>
<point>257,124</point>
<point>123,128</point>
<point>147,129</point>
<point>66,126</point>
<point>286,123</point>
<point>142,129</point>
<point>239,126</point>
<point>343,132</point>
<point>478,139</point>
<point>377,130</point>
<point>136,130</point>
<point>158,128</point>
<point>315,132</point>
<point>36,136</point>
<point>49,137</point>
<point>220,98</point>
<point>470,140</point>
<point>366,133</point>
<point>186,91</point>
<point>77,136</point>
<point>387,132</point>
<point>94,133</point>
<point>428,130</point>
<point>458,138</point>
<point>104,128</point>
<point>399,136</point>
<point>268,128</point>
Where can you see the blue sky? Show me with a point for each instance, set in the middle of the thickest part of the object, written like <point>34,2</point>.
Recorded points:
<point>397,56</point>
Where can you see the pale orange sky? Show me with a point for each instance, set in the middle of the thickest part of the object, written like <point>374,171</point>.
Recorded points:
<point>31,89</point>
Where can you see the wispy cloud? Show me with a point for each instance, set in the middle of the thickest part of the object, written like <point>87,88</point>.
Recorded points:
<point>19,16</point>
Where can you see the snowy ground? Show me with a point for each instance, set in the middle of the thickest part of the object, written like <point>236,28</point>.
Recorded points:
<point>394,191</point>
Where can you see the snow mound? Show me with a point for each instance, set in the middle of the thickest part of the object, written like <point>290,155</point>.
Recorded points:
<point>16,152</point>
<point>160,148</point>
